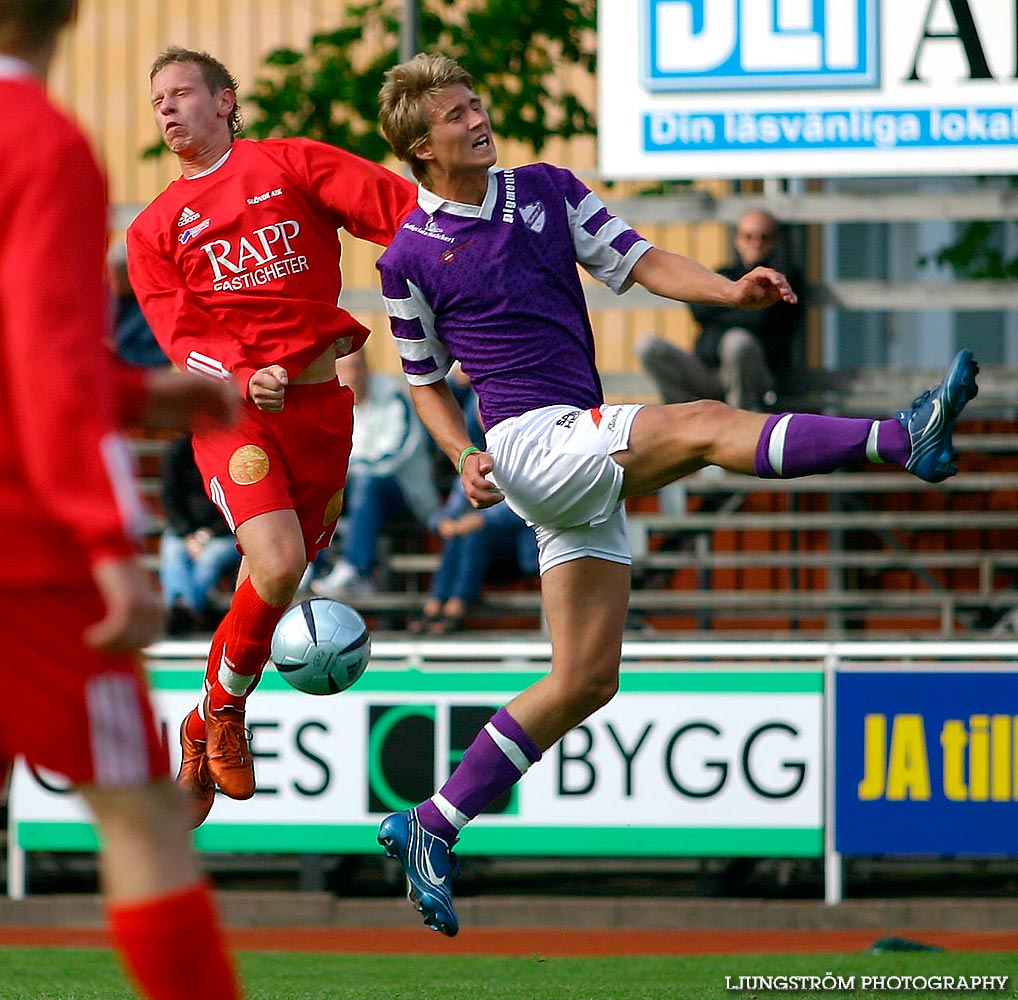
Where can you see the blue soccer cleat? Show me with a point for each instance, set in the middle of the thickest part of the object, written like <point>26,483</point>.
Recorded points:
<point>930,421</point>
<point>429,866</point>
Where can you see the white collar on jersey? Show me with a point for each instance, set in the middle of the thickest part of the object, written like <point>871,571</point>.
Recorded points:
<point>431,202</point>
<point>215,166</point>
<point>12,68</point>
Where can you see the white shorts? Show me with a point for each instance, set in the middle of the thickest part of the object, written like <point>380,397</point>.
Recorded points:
<point>555,468</point>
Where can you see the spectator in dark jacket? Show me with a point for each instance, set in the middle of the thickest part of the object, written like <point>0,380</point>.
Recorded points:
<point>741,356</point>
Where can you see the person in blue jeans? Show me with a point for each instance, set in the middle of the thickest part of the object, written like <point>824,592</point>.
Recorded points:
<point>475,543</point>
<point>196,547</point>
<point>390,479</point>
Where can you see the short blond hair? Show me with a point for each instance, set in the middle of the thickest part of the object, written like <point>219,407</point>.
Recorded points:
<point>404,100</point>
<point>214,74</point>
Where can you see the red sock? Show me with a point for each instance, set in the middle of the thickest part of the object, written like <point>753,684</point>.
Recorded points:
<point>195,724</point>
<point>173,946</point>
<point>243,638</point>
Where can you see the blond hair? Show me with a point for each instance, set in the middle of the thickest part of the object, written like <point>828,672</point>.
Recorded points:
<point>214,74</point>
<point>405,98</point>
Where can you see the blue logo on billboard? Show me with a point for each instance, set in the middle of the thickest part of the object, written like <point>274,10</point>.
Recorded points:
<point>760,44</point>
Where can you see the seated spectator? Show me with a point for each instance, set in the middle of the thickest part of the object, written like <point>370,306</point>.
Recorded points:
<point>196,548</point>
<point>478,546</point>
<point>741,356</point>
<point>391,476</point>
<point>133,339</point>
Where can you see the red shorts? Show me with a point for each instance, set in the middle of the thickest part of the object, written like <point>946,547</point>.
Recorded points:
<point>292,460</point>
<point>66,706</point>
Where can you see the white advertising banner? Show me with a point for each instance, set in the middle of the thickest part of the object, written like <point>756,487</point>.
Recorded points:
<point>687,762</point>
<point>806,88</point>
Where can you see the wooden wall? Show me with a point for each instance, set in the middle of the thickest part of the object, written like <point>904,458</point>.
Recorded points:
<point>102,69</point>
<point>101,74</point>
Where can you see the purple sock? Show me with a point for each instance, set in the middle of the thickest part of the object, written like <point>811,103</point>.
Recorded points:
<point>493,763</point>
<point>801,444</point>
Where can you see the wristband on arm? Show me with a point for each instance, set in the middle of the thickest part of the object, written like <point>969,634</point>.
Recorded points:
<point>464,455</point>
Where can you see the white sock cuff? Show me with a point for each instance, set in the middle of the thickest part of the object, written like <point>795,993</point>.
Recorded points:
<point>509,748</point>
<point>872,441</point>
<point>449,812</point>
<point>236,684</point>
<point>776,444</point>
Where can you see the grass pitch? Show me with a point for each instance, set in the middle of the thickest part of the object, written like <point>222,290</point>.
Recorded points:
<point>93,974</point>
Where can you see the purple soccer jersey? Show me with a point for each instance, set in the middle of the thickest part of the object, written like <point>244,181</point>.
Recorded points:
<point>496,288</point>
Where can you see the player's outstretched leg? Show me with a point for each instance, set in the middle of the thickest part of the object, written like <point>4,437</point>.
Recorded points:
<point>429,866</point>
<point>919,438</point>
<point>930,420</point>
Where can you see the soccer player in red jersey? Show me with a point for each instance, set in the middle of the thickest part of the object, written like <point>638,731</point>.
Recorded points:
<point>75,602</point>
<point>236,266</point>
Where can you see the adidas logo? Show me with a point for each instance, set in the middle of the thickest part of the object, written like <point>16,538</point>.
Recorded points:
<point>188,216</point>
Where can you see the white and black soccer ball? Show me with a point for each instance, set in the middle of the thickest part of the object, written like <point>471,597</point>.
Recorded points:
<point>321,646</point>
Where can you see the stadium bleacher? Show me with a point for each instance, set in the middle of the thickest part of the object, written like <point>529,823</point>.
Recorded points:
<point>875,553</point>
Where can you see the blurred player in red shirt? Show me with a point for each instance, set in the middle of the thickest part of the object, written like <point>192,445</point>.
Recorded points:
<point>236,267</point>
<point>75,602</point>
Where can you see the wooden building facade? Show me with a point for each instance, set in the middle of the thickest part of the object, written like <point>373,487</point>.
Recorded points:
<point>101,74</point>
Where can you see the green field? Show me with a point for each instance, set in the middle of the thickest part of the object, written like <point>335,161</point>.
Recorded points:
<point>86,974</point>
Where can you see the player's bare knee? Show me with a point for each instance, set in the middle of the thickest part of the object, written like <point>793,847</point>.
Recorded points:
<point>276,581</point>
<point>596,693</point>
<point>707,411</point>
<point>695,426</point>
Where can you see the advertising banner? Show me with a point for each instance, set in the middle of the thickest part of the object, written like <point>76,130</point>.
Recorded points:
<point>926,762</point>
<point>682,762</point>
<point>806,88</point>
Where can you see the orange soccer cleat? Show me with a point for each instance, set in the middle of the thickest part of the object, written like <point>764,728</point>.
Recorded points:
<point>227,751</point>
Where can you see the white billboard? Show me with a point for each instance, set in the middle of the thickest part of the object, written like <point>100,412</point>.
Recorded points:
<point>681,762</point>
<point>806,88</point>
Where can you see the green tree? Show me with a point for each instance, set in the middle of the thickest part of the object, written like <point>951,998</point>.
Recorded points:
<point>514,49</point>
<point>976,252</point>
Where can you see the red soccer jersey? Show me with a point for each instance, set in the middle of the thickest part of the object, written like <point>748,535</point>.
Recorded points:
<point>67,494</point>
<point>238,268</point>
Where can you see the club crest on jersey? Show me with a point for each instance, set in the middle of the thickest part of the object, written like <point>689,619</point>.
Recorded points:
<point>189,234</point>
<point>188,216</point>
<point>534,216</point>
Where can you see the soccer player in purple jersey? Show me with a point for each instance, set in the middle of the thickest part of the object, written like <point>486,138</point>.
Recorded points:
<point>483,271</point>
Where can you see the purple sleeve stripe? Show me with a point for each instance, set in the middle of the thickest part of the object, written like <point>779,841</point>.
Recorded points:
<point>407,329</point>
<point>624,242</point>
<point>425,367</point>
<point>597,220</point>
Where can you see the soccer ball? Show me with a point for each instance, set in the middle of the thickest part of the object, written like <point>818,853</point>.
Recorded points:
<point>321,646</point>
